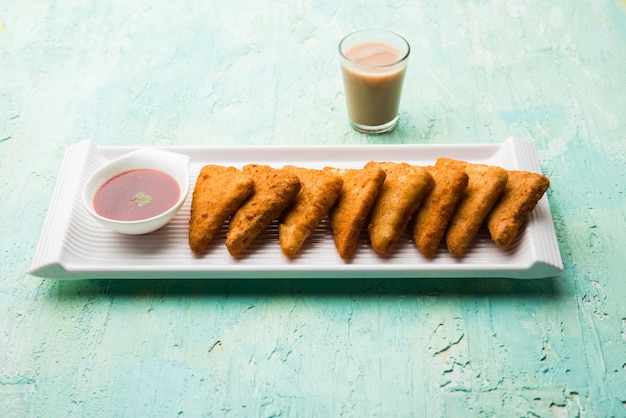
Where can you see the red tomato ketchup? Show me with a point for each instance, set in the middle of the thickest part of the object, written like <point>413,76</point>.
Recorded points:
<point>136,194</point>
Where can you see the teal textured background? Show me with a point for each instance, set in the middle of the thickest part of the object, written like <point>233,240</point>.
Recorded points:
<point>151,72</point>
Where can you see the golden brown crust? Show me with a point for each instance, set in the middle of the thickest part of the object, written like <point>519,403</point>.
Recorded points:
<point>523,191</point>
<point>432,218</point>
<point>402,192</point>
<point>484,187</point>
<point>319,191</point>
<point>218,193</point>
<point>452,199</point>
<point>274,189</point>
<point>349,214</point>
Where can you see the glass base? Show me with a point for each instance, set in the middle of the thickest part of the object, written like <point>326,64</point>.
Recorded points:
<point>379,129</point>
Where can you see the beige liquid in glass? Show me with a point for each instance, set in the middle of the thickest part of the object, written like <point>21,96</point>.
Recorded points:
<point>373,85</point>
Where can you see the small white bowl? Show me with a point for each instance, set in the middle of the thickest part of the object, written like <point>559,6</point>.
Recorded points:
<point>174,164</point>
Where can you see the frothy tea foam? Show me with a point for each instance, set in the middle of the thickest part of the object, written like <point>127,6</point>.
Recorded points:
<point>375,54</point>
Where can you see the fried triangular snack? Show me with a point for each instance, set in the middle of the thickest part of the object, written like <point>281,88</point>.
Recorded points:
<point>319,191</point>
<point>274,189</point>
<point>485,185</point>
<point>403,190</point>
<point>349,214</point>
<point>219,191</point>
<point>523,191</point>
<point>432,217</point>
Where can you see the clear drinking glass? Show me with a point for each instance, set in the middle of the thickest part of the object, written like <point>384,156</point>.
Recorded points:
<point>373,64</point>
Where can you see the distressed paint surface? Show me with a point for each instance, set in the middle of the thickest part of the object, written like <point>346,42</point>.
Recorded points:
<point>237,73</point>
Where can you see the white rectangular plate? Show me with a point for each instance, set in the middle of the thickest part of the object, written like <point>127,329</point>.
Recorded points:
<point>74,246</point>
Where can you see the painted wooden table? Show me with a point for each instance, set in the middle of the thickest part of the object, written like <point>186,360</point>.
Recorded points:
<point>243,73</point>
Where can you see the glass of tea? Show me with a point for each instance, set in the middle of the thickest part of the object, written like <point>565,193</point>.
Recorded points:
<point>373,64</point>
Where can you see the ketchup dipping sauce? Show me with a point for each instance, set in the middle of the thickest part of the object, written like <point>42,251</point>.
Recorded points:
<point>136,195</point>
